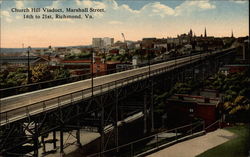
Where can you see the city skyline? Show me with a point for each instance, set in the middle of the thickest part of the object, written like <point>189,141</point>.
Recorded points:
<point>136,19</point>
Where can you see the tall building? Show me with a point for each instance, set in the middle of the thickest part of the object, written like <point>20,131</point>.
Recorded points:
<point>108,41</point>
<point>97,42</point>
<point>205,33</point>
<point>102,42</point>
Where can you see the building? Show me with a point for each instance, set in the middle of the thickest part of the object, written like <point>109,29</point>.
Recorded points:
<point>148,43</point>
<point>102,42</point>
<point>76,67</point>
<point>236,68</point>
<point>103,68</point>
<point>246,53</point>
<point>204,105</point>
<point>97,42</point>
<point>108,41</point>
<point>21,61</point>
<point>120,45</point>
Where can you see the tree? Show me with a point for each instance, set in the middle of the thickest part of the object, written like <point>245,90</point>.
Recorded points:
<point>11,79</point>
<point>40,73</point>
<point>61,73</point>
<point>84,55</point>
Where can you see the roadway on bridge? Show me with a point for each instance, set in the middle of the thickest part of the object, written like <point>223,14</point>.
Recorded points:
<point>23,105</point>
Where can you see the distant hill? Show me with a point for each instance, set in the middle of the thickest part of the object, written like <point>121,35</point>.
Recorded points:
<point>19,50</point>
<point>12,50</point>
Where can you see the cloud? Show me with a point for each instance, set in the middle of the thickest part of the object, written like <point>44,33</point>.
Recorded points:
<point>9,20</point>
<point>150,9</point>
<point>115,22</point>
<point>5,13</point>
<point>192,6</point>
<point>156,9</point>
<point>90,3</point>
<point>19,4</point>
<point>18,17</point>
<point>6,16</point>
<point>115,12</point>
<point>239,1</point>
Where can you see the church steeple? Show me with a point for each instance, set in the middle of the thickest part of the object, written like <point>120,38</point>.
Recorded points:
<point>205,33</point>
<point>191,33</point>
<point>232,36</point>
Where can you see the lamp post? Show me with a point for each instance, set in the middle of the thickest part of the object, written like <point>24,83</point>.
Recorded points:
<point>29,74</point>
<point>104,51</point>
<point>148,62</point>
<point>92,73</point>
<point>151,92</point>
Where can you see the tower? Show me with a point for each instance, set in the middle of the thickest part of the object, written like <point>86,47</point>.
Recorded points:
<point>191,33</point>
<point>232,36</point>
<point>205,33</point>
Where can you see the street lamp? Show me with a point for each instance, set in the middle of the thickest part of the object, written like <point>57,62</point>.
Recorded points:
<point>29,74</point>
<point>148,62</point>
<point>151,90</point>
<point>92,73</point>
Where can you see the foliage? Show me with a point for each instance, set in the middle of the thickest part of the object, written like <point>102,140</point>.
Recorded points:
<point>124,58</point>
<point>40,73</point>
<point>233,85</point>
<point>185,87</point>
<point>82,55</point>
<point>180,88</point>
<point>236,89</point>
<point>10,79</point>
<point>238,110</point>
<point>160,101</point>
<point>61,73</point>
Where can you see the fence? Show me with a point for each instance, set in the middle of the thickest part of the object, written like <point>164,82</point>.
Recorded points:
<point>154,142</point>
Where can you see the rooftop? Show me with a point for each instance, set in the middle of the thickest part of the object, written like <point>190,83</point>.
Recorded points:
<point>205,97</point>
<point>20,59</point>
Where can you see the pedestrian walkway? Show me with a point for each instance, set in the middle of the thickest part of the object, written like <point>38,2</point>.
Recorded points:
<point>196,146</point>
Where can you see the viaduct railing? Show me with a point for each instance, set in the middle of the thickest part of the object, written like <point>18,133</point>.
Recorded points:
<point>155,142</point>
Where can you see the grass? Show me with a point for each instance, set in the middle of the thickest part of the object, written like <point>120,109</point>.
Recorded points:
<point>237,147</point>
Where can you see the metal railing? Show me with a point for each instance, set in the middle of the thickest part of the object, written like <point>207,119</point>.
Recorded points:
<point>63,100</point>
<point>216,124</point>
<point>21,112</point>
<point>154,142</point>
<point>5,92</point>
<point>51,83</point>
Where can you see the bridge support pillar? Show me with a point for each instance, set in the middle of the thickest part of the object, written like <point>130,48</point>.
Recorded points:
<point>78,140</point>
<point>54,139</point>
<point>43,143</point>
<point>145,113</point>
<point>78,132</point>
<point>61,142</point>
<point>102,131</point>
<point>152,104</point>
<point>36,140</point>
<point>116,120</point>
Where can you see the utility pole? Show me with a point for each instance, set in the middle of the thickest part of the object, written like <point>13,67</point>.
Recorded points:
<point>92,74</point>
<point>151,92</point>
<point>29,74</point>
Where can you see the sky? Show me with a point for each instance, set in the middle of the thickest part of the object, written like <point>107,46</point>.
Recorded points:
<point>137,19</point>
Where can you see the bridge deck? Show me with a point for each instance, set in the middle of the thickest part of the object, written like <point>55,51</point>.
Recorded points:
<point>20,106</point>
